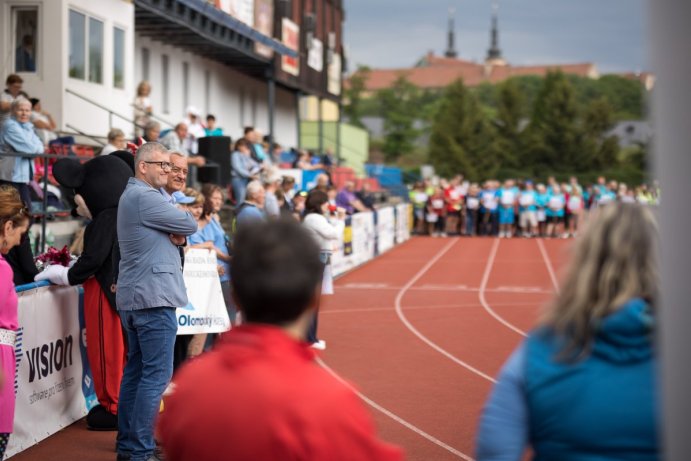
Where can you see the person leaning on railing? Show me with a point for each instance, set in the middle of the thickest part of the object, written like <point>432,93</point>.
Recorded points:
<point>18,135</point>
<point>14,222</point>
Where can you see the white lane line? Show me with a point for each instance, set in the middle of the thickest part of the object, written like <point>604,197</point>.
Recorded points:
<point>513,290</point>
<point>548,263</point>
<point>483,287</point>
<point>414,308</point>
<point>423,338</point>
<point>394,416</point>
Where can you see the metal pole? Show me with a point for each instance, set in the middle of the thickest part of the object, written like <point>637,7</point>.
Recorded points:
<point>299,120</point>
<point>338,134</point>
<point>45,205</point>
<point>672,162</point>
<point>272,106</point>
<point>321,126</point>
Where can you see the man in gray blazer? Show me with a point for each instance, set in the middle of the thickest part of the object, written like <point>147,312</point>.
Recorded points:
<point>150,288</point>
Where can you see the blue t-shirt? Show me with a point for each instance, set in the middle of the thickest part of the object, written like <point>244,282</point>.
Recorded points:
<point>250,213</point>
<point>528,200</point>
<point>213,232</point>
<point>555,205</point>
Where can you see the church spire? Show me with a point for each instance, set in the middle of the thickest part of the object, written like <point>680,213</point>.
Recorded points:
<point>451,45</point>
<point>494,52</point>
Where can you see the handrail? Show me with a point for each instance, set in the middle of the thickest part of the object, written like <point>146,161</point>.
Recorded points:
<point>110,112</point>
<point>81,133</point>
<point>158,119</point>
<point>32,286</point>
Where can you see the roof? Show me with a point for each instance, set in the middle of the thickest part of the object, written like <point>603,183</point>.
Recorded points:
<point>433,72</point>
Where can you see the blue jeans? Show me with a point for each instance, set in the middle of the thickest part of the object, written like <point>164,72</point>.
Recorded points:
<point>150,339</point>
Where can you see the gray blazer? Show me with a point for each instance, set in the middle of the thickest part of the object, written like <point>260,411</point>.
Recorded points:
<point>150,271</point>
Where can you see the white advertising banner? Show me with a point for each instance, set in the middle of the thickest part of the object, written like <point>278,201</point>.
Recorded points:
<point>239,9</point>
<point>315,56</point>
<point>290,34</point>
<point>206,310</point>
<point>386,229</point>
<point>264,23</point>
<point>53,383</point>
<point>364,243</point>
<point>334,74</point>
<point>403,221</point>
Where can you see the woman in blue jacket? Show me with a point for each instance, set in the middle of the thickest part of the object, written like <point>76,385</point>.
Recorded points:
<point>582,385</point>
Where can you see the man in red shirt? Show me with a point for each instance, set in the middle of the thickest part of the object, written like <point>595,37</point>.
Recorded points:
<point>259,395</point>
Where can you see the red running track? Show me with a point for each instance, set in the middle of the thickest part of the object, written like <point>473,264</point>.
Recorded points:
<point>421,332</point>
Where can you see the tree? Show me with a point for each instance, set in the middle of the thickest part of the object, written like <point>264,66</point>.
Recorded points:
<point>600,152</point>
<point>508,123</point>
<point>399,109</point>
<point>554,138</point>
<point>462,139</point>
<point>354,95</point>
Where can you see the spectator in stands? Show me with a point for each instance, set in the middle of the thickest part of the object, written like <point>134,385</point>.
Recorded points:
<point>211,128</point>
<point>150,288</point>
<point>325,234</point>
<point>14,90</point>
<point>272,184</point>
<point>583,385</point>
<point>195,130</point>
<point>347,199</point>
<point>25,55</point>
<point>142,107</point>
<point>116,141</point>
<point>265,364</point>
<point>175,141</point>
<point>288,187</point>
<point>243,169</point>
<point>18,136</point>
<point>14,224</point>
<point>252,209</point>
<point>211,231</point>
<point>44,125</point>
<point>276,154</point>
<point>365,196</point>
<point>250,137</point>
<point>322,182</point>
<point>152,132</point>
<point>304,162</point>
<point>257,143</point>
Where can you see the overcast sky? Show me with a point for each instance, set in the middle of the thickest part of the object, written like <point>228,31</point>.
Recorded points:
<point>396,33</point>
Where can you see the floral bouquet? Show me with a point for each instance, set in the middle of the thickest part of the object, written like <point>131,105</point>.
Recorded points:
<point>53,256</point>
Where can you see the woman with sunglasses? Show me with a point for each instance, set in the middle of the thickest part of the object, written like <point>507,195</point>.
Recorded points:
<point>14,222</point>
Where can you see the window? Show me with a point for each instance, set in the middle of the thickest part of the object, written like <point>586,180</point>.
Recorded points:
<point>86,48</point>
<point>164,83</point>
<point>95,51</point>
<point>77,45</point>
<point>185,85</point>
<point>25,20</point>
<point>145,64</point>
<point>118,58</point>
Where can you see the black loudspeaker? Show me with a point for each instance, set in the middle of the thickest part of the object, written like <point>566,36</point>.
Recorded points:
<point>216,149</point>
<point>210,173</point>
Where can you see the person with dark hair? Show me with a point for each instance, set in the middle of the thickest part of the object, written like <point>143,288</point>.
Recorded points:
<point>243,169</point>
<point>325,234</point>
<point>13,91</point>
<point>211,128</point>
<point>259,395</point>
<point>14,223</point>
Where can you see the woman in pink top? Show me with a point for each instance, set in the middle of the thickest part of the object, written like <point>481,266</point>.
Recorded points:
<point>14,222</point>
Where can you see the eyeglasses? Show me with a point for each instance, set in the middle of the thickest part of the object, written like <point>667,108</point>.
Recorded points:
<point>165,166</point>
<point>176,170</point>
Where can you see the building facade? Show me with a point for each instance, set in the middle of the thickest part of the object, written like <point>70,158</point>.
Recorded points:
<point>248,62</point>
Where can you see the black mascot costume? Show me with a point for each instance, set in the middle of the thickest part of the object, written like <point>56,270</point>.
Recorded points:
<point>98,185</point>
